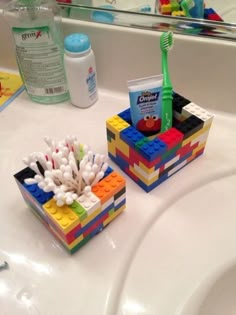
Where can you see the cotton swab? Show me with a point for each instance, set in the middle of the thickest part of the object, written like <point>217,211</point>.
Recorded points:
<point>68,168</point>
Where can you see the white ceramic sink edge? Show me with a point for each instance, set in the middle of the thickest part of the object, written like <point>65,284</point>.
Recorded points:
<point>187,258</point>
<point>39,273</point>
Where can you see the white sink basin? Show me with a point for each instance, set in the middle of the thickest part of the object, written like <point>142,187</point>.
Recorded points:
<point>216,296</point>
<point>181,265</point>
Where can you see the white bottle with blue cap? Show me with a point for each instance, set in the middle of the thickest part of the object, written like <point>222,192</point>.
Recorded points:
<point>80,70</point>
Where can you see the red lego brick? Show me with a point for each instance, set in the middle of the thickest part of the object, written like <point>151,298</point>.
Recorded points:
<point>124,157</point>
<point>214,17</point>
<point>171,137</point>
<point>136,157</point>
<point>162,2</point>
<point>95,225</point>
<point>186,149</point>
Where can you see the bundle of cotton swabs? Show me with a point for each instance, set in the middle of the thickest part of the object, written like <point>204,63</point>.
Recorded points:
<point>68,169</point>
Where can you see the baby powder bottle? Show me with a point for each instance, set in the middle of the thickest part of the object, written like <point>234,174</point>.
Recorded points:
<point>80,70</point>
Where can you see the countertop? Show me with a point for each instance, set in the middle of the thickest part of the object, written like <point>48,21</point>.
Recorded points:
<point>101,277</point>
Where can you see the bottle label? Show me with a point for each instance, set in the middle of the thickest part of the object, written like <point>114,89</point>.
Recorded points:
<point>92,83</point>
<point>40,61</point>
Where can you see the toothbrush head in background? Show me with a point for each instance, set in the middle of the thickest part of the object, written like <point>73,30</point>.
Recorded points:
<point>187,5</point>
<point>166,43</point>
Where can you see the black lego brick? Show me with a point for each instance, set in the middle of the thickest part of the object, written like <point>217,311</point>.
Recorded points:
<point>23,174</point>
<point>189,126</point>
<point>179,102</point>
<point>110,134</point>
<point>120,193</point>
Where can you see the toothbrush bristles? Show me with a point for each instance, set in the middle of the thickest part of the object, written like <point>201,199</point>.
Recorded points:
<point>167,40</point>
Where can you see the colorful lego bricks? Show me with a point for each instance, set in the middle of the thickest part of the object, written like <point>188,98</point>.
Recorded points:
<point>150,161</point>
<point>74,225</point>
<point>175,8</point>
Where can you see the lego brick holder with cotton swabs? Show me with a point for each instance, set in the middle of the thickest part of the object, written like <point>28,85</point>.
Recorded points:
<point>72,217</point>
<point>151,161</point>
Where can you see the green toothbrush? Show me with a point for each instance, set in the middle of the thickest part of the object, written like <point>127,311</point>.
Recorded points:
<point>166,43</point>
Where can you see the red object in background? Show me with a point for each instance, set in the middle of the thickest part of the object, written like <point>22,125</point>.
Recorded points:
<point>64,1</point>
<point>215,17</point>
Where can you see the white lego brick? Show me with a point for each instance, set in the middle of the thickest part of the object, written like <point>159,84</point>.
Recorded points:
<point>108,203</point>
<point>169,163</point>
<point>196,110</point>
<point>90,202</point>
<point>146,175</point>
<point>120,199</point>
<point>175,169</point>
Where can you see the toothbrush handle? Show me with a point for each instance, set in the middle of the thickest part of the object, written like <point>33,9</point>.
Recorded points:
<point>167,118</point>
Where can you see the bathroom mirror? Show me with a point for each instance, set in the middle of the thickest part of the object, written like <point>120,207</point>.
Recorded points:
<point>218,20</point>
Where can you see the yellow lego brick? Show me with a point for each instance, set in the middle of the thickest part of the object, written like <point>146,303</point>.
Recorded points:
<point>146,169</point>
<point>63,217</point>
<point>142,178</point>
<point>122,146</point>
<point>166,8</point>
<point>116,124</point>
<point>112,147</point>
<point>178,13</point>
<point>196,134</point>
<point>91,217</point>
<point>71,245</point>
<point>148,176</point>
<point>200,147</point>
<point>113,216</point>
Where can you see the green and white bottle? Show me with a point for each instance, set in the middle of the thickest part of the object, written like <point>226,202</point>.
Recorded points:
<point>35,25</point>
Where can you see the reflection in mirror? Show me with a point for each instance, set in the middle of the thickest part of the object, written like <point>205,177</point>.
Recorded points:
<point>211,18</point>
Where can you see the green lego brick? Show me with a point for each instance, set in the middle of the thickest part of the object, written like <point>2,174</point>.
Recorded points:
<point>79,210</point>
<point>111,211</point>
<point>140,143</point>
<point>174,5</point>
<point>83,242</point>
<point>170,152</point>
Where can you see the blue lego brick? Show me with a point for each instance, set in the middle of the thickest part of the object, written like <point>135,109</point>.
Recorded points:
<point>41,196</point>
<point>131,136</point>
<point>126,115</point>
<point>208,11</point>
<point>97,230</point>
<point>153,185</point>
<point>152,149</point>
<point>120,204</point>
<point>108,171</point>
<point>87,226</point>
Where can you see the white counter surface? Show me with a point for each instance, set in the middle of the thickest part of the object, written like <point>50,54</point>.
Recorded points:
<point>135,259</point>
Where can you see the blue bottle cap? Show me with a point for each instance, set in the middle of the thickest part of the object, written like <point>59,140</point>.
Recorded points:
<point>103,16</point>
<point>77,43</point>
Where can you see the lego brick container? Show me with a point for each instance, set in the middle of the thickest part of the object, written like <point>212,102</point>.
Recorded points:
<point>151,160</point>
<point>74,225</point>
